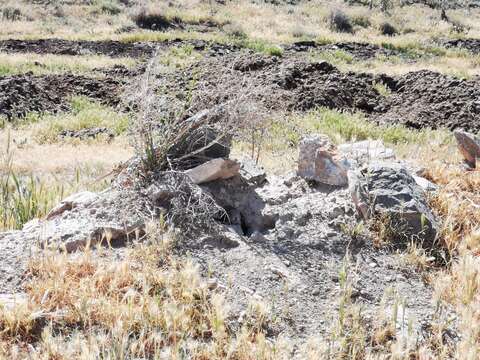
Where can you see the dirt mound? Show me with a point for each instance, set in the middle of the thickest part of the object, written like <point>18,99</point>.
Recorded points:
<point>418,99</point>
<point>360,51</point>
<point>108,47</point>
<point>288,84</point>
<point>472,45</point>
<point>21,94</point>
<point>428,99</point>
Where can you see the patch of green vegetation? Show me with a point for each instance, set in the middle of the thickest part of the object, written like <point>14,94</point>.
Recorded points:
<point>180,57</point>
<point>334,57</point>
<point>11,64</point>
<point>382,89</point>
<point>160,36</point>
<point>414,50</point>
<point>260,46</point>
<point>85,114</point>
<point>109,7</point>
<point>346,126</point>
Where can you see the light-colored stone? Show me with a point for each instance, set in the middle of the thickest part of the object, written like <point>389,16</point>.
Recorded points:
<point>81,199</point>
<point>9,301</point>
<point>367,150</point>
<point>213,170</point>
<point>469,146</point>
<point>317,161</point>
<point>424,183</point>
<point>252,172</point>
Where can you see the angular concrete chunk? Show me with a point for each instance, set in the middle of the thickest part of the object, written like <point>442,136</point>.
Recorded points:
<point>317,161</point>
<point>469,146</point>
<point>213,170</point>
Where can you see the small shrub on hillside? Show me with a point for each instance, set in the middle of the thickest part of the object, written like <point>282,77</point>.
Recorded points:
<point>361,21</point>
<point>388,29</point>
<point>339,21</point>
<point>154,20</point>
<point>235,31</point>
<point>110,8</point>
<point>11,14</point>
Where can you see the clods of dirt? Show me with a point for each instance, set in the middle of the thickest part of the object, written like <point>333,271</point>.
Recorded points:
<point>426,99</point>
<point>77,47</point>
<point>472,45</point>
<point>421,99</point>
<point>21,94</point>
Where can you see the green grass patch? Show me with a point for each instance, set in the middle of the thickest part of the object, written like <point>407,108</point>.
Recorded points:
<point>259,46</point>
<point>345,126</point>
<point>11,64</point>
<point>334,57</point>
<point>180,57</point>
<point>85,114</point>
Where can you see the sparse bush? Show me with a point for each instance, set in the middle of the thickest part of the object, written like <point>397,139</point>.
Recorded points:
<point>110,8</point>
<point>236,31</point>
<point>386,5</point>
<point>388,29</point>
<point>339,21</point>
<point>154,20</point>
<point>11,14</point>
<point>362,21</point>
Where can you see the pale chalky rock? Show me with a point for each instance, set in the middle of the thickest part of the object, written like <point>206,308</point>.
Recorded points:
<point>469,146</point>
<point>81,199</point>
<point>367,150</point>
<point>317,161</point>
<point>215,169</point>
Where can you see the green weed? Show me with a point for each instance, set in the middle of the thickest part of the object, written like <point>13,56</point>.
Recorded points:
<point>85,114</point>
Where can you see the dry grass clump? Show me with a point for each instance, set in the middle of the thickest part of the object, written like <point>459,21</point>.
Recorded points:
<point>148,305</point>
<point>457,202</point>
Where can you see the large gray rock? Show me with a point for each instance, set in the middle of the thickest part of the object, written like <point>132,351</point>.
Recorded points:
<point>380,189</point>
<point>469,146</point>
<point>317,161</point>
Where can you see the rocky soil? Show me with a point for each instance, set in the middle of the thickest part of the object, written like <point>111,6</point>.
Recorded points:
<point>107,47</point>
<point>472,45</point>
<point>361,51</point>
<point>281,239</point>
